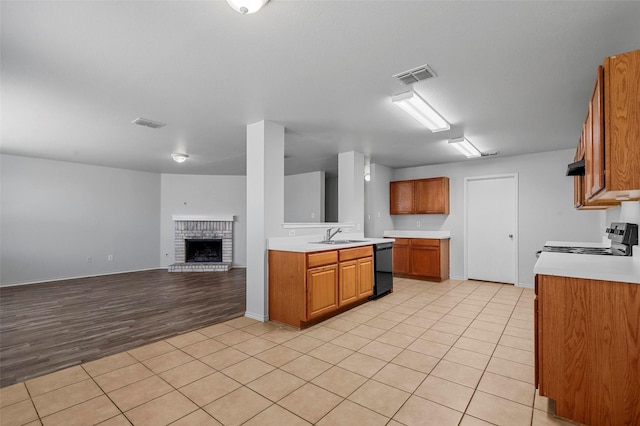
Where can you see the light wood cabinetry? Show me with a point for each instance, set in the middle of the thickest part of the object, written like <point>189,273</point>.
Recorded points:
<point>322,290</point>
<point>421,258</point>
<point>611,134</point>
<point>420,196</point>
<point>307,287</point>
<point>356,274</point>
<point>401,256</point>
<point>586,348</point>
<point>579,198</point>
<point>432,196</point>
<point>401,196</point>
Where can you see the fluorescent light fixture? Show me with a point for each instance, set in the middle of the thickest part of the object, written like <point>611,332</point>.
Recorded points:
<point>418,108</point>
<point>465,147</point>
<point>179,158</point>
<point>247,6</point>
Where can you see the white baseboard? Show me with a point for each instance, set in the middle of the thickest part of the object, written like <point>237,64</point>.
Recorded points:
<point>256,317</point>
<point>78,276</point>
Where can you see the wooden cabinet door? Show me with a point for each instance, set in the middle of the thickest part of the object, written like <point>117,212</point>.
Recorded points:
<point>322,290</point>
<point>432,196</point>
<point>365,277</point>
<point>348,282</point>
<point>401,256</point>
<point>622,125</point>
<point>401,197</point>
<point>425,259</point>
<point>595,123</point>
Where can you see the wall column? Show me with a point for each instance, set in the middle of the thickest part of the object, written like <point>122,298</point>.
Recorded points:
<point>351,189</point>
<point>265,209</point>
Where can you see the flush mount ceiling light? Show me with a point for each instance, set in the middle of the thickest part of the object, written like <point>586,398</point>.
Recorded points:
<point>418,108</point>
<point>247,6</point>
<point>179,158</point>
<point>465,147</point>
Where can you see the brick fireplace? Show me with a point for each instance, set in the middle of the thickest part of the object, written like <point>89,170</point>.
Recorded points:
<point>205,229</point>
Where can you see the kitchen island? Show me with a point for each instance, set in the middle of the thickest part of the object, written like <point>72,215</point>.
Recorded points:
<point>587,325</point>
<point>310,281</point>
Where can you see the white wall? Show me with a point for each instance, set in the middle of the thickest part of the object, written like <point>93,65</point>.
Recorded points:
<point>376,191</point>
<point>629,211</point>
<point>203,195</point>
<point>304,197</point>
<point>351,189</point>
<point>546,209</point>
<point>54,215</point>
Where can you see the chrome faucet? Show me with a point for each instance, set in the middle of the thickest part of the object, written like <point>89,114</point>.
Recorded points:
<point>330,234</point>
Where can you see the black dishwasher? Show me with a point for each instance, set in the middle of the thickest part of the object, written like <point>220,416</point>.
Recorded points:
<point>383,266</point>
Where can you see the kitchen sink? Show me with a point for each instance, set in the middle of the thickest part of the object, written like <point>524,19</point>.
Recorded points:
<point>339,241</point>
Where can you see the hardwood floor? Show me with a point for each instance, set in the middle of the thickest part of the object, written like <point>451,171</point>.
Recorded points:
<point>50,326</point>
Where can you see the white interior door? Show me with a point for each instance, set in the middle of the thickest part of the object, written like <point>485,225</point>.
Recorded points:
<point>491,226</point>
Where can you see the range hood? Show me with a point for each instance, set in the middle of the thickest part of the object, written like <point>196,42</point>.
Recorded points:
<point>576,169</point>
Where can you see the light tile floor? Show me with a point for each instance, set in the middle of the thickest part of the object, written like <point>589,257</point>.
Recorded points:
<point>452,353</point>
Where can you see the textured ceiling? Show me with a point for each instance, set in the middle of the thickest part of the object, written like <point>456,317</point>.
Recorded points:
<point>513,76</point>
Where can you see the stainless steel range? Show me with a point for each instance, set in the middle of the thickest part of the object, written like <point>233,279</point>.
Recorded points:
<point>623,237</point>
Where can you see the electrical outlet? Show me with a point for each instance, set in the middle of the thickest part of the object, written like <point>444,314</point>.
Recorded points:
<point>368,217</point>
<point>89,259</point>
<point>378,215</point>
<point>313,215</point>
<point>418,224</point>
<point>292,233</point>
<point>357,227</point>
<point>110,258</point>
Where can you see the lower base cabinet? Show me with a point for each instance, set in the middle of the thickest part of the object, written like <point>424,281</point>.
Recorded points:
<point>307,287</point>
<point>587,348</point>
<point>322,290</point>
<point>421,258</point>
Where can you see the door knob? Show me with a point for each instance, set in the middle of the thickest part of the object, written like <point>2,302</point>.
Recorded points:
<point>510,235</point>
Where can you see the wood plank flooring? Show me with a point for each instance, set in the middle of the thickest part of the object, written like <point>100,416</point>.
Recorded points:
<point>50,326</point>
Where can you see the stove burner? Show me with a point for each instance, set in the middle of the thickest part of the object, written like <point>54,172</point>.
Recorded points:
<point>604,251</point>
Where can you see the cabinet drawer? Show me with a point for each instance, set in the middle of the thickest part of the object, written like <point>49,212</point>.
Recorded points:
<point>401,241</point>
<point>425,242</point>
<point>355,253</point>
<point>322,258</point>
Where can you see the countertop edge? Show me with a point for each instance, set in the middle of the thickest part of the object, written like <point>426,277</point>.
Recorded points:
<point>589,267</point>
<point>308,247</point>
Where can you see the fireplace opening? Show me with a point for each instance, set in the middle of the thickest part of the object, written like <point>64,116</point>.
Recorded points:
<point>203,250</point>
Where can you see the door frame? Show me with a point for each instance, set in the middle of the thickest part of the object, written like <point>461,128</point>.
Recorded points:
<point>513,176</point>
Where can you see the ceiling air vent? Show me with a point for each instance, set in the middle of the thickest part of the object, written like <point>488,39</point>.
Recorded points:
<point>148,123</point>
<point>414,75</point>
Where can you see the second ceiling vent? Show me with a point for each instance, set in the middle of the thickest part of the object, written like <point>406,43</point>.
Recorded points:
<point>415,75</point>
<point>148,123</point>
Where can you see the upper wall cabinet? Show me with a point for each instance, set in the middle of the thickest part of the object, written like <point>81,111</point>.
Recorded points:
<point>420,196</point>
<point>611,134</point>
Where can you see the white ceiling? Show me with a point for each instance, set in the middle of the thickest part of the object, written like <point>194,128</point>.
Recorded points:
<point>513,76</point>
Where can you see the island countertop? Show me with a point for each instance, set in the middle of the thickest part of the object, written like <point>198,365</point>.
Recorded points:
<point>588,266</point>
<point>310,244</point>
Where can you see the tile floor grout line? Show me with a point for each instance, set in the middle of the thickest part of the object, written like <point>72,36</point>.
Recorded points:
<point>485,370</point>
<point>459,297</point>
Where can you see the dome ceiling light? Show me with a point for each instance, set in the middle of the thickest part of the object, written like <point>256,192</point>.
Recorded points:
<point>247,6</point>
<point>179,158</point>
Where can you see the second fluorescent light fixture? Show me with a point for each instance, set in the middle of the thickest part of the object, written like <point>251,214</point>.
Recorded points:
<point>418,108</point>
<point>465,147</point>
